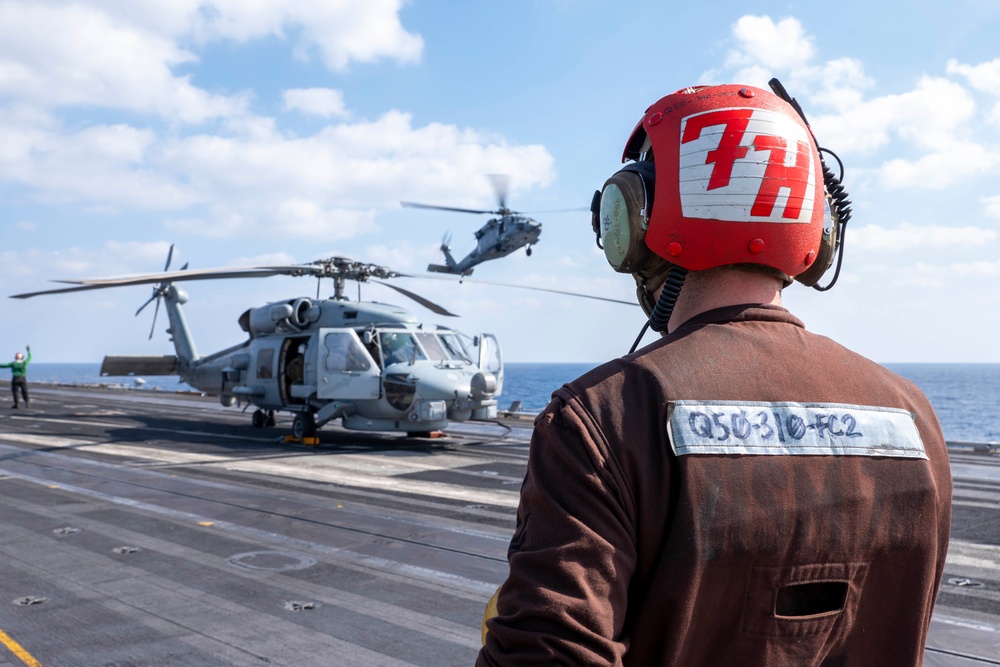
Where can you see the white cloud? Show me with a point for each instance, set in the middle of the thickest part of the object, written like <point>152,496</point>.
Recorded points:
<point>99,61</point>
<point>775,46</point>
<point>939,169</point>
<point>316,184</point>
<point>325,102</point>
<point>403,256</point>
<point>108,164</point>
<point>123,55</point>
<point>992,206</point>
<point>928,117</point>
<point>341,31</point>
<point>113,258</point>
<point>984,269</point>
<point>908,236</point>
<point>257,176</point>
<point>765,49</point>
<point>984,76</point>
<point>285,220</point>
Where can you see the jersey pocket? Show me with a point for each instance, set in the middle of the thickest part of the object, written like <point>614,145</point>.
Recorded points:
<point>812,605</point>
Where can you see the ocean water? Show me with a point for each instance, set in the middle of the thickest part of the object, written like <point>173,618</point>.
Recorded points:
<point>963,395</point>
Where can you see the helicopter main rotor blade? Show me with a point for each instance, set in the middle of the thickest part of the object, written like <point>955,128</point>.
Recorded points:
<point>529,287</point>
<point>410,204</point>
<point>77,288</point>
<point>195,274</point>
<point>430,305</point>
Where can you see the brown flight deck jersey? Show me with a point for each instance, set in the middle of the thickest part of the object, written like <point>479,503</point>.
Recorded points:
<point>740,493</point>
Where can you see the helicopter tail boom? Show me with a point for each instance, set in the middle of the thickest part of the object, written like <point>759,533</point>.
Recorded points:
<point>450,265</point>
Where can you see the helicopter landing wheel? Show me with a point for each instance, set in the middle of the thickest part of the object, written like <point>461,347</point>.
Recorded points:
<point>528,251</point>
<point>304,425</point>
<point>259,419</point>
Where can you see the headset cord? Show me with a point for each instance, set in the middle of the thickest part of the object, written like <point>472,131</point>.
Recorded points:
<point>840,208</point>
<point>664,307</point>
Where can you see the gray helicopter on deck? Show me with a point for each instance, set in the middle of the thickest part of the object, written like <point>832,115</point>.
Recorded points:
<point>374,366</point>
<point>498,238</point>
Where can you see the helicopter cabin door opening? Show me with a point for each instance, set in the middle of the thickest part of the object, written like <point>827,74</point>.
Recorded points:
<point>344,368</point>
<point>294,367</point>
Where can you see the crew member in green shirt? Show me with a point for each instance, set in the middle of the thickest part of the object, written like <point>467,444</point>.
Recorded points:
<point>19,370</point>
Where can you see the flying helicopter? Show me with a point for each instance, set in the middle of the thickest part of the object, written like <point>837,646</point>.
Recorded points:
<point>498,238</point>
<point>374,366</point>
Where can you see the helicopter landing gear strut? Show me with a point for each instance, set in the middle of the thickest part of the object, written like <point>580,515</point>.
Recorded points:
<point>304,425</point>
<point>260,418</point>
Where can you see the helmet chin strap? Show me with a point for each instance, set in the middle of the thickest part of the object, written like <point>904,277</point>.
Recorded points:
<point>660,312</point>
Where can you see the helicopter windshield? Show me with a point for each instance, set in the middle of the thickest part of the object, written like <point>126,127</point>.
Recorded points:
<point>400,347</point>
<point>453,344</point>
<point>432,347</point>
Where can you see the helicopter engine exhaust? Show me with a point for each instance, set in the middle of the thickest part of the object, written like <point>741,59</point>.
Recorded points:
<point>304,313</point>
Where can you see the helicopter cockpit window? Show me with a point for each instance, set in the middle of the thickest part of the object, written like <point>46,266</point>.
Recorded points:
<point>454,347</point>
<point>344,353</point>
<point>433,347</point>
<point>399,347</point>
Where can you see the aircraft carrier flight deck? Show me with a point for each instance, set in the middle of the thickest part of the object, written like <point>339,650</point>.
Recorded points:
<point>145,528</point>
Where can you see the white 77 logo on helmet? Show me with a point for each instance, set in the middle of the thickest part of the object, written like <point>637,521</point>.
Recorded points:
<point>745,165</point>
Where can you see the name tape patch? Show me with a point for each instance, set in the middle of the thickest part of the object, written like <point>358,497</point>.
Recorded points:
<point>786,428</point>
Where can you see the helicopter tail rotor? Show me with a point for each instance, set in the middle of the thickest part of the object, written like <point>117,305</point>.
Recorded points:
<point>158,292</point>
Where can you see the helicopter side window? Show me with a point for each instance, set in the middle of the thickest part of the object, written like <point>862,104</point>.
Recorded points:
<point>432,346</point>
<point>265,364</point>
<point>399,347</point>
<point>344,353</point>
<point>454,346</point>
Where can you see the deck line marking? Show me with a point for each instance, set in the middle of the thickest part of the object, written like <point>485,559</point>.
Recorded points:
<point>357,471</point>
<point>18,650</point>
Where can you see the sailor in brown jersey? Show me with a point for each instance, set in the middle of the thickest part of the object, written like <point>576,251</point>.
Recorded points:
<point>740,492</point>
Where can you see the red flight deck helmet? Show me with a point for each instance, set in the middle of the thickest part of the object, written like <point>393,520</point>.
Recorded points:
<point>720,175</point>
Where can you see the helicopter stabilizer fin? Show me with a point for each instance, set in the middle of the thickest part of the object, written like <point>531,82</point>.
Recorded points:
<point>439,268</point>
<point>139,365</point>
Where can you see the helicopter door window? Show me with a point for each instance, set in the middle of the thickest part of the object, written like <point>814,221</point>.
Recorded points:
<point>489,354</point>
<point>345,353</point>
<point>432,346</point>
<point>265,364</point>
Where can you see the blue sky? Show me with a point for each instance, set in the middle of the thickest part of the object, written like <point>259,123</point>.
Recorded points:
<point>266,132</point>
